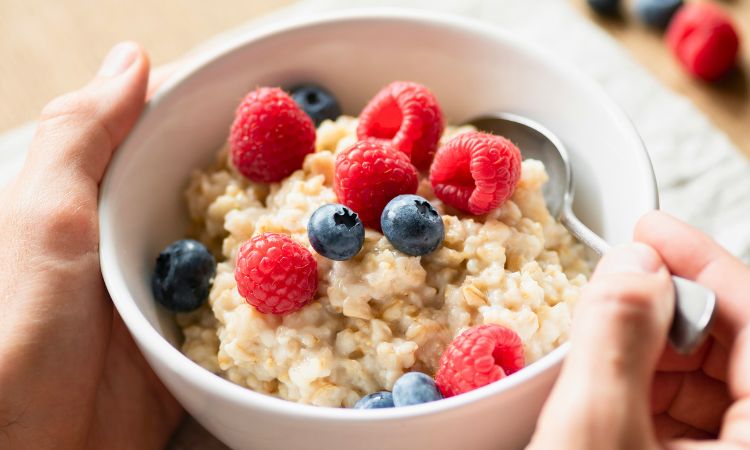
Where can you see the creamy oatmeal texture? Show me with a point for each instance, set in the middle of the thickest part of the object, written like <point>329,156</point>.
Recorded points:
<point>381,313</point>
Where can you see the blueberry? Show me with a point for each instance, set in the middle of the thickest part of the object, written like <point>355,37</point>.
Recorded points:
<point>657,13</point>
<point>414,388</point>
<point>183,274</point>
<point>317,102</point>
<point>336,232</point>
<point>383,399</point>
<point>412,225</point>
<point>606,7</point>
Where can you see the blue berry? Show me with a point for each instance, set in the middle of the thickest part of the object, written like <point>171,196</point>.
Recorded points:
<point>183,275</point>
<point>414,388</point>
<point>606,7</point>
<point>317,102</point>
<point>383,399</point>
<point>657,13</point>
<point>412,225</point>
<point>336,232</point>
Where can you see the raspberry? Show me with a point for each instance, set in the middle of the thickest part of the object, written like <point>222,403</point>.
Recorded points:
<point>704,40</point>
<point>476,172</point>
<point>275,274</point>
<point>409,116</point>
<point>478,357</point>
<point>369,174</point>
<point>270,135</point>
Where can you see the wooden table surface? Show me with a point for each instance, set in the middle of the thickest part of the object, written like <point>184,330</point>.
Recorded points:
<point>726,103</point>
<point>50,47</point>
<point>47,48</point>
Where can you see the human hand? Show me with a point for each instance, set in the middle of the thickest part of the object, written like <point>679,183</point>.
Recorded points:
<point>70,375</point>
<point>620,388</point>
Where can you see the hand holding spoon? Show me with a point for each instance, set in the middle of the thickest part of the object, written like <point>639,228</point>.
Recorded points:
<point>694,305</point>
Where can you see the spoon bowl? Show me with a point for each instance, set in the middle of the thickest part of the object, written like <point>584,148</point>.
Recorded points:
<point>536,143</point>
<point>694,304</point>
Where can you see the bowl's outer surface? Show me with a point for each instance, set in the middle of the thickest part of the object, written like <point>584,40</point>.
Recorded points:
<point>472,69</point>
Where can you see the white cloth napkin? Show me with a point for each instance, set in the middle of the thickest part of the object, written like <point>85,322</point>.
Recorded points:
<point>702,178</point>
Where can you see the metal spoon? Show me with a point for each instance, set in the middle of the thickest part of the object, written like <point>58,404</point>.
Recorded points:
<point>694,305</point>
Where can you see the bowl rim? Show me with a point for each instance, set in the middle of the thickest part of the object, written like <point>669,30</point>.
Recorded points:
<point>147,336</point>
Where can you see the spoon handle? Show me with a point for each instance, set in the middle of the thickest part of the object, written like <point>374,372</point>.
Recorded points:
<point>694,304</point>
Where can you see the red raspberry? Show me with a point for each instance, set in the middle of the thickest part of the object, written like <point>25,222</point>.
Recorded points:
<point>478,357</point>
<point>270,135</point>
<point>704,39</point>
<point>369,174</point>
<point>409,116</point>
<point>275,274</point>
<point>476,172</point>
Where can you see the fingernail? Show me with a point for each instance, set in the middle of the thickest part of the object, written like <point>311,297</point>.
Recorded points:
<point>117,61</point>
<point>634,258</point>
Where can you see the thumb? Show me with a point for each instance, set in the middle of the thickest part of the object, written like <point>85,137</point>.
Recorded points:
<point>78,132</point>
<point>52,203</point>
<point>619,331</point>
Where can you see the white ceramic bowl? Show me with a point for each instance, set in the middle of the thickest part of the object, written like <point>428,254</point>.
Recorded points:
<point>472,68</point>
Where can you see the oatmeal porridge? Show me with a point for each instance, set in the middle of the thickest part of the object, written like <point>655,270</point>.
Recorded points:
<point>381,313</point>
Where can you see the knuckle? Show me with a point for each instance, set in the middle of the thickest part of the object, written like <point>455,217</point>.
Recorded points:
<point>74,113</point>
<point>64,225</point>
<point>739,412</point>
<point>67,106</point>
<point>71,212</point>
<point>68,128</point>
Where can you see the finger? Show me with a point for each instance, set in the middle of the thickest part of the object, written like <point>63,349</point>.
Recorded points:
<point>739,370</point>
<point>668,428</point>
<point>78,132</point>
<point>737,419</point>
<point>716,363</point>
<point>624,312</point>
<point>688,444</point>
<point>711,357</point>
<point>693,255</point>
<point>700,402</point>
<point>709,264</point>
<point>672,361</point>
<point>664,389</point>
<point>619,331</point>
<point>693,399</point>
